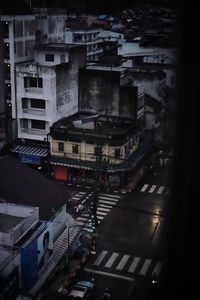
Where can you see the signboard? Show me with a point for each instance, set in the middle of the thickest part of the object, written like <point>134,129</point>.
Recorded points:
<point>29,265</point>
<point>28,158</point>
<point>45,247</point>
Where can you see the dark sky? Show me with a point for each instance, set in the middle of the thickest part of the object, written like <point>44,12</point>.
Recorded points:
<point>100,6</point>
<point>90,6</point>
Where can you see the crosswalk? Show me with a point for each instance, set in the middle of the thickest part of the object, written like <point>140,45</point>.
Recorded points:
<point>148,188</point>
<point>79,196</point>
<point>104,204</point>
<point>118,262</point>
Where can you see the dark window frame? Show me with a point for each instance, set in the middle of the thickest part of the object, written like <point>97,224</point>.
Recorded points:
<point>49,57</point>
<point>75,148</point>
<point>61,146</point>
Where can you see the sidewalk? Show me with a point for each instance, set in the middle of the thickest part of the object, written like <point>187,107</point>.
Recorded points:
<point>136,178</point>
<point>63,279</point>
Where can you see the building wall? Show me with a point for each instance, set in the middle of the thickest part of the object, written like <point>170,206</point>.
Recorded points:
<point>67,82</point>
<point>46,93</point>
<point>87,151</point>
<point>100,91</point>
<point>20,38</point>
<point>50,28</point>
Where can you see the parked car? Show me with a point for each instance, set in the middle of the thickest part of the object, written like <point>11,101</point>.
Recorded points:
<point>82,290</point>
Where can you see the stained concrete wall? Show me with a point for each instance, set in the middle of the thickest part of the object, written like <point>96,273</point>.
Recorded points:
<point>100,91</point>
<point>67,82</point>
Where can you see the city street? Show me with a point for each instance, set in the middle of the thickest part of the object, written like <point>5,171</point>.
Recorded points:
<point>131,237</point>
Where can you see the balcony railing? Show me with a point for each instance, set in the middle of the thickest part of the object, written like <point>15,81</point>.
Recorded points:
<point>34,90</point>
<point>34,111</point>
<point>34,131</point>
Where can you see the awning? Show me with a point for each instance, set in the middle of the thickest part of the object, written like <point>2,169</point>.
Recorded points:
<point>30,150</point>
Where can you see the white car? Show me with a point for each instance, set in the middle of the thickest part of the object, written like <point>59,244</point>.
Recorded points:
<point>82,290</point>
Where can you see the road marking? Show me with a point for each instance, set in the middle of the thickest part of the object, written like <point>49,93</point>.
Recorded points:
<point>152,188</point>
<point>122,262</point>
<point>100,257</point>
<point>109,274</point>
<point>107,202</point>
<point>82,219</point>
<point>157,268</point>
<point>103,209</point>
<point>143,189</point>
<point>161,188</point>
<point>107,198</point>
<point>103,205</point>
<point>113,196</point>
<point>100,217</point>
<point>103,213</point>
<point>134,264</point>
<point>111,260</point>
<point>145,266</point>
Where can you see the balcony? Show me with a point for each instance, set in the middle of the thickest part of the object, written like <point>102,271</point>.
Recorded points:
<point>34,131</point>
<point>34,111</point>
<point>34,90</point>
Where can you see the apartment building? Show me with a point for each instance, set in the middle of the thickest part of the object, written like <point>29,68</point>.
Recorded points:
<point>78,33</point>
<point>47,88</point>
<point>17,40</point>
<point>85,142</point>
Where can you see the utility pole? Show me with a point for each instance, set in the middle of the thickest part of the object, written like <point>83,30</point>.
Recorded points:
<point>95,199</point>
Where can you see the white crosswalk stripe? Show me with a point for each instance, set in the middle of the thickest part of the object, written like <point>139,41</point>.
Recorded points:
<point>161,188</point>
<point>125,263</point>
<point>134,264</point>
<point>111,260</point>
<point>104,205</point>
<point>152,188</point>
<point>157,269</point>
<point>122,262</point>
<point>100,258</point>
<point>145,266</point>
<point>143,189</point>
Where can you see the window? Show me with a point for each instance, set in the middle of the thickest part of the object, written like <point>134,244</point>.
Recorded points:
<point>62,58</point>
<point>74,148</point>
<point>7,71</point>
<point>49,57</point>
<point>38,124</point>
<point>6,51</point>
<point>24,123</point>
<point>117,153</point>
<point>34,82</point>
<point>60,146</point>
<point>24,103</point>
<point>37,103</point>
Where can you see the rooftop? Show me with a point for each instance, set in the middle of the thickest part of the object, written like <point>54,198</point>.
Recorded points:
<point>22,185</point>
<point>57,47</point>
<point>7,222</point>
<point>96,122</point>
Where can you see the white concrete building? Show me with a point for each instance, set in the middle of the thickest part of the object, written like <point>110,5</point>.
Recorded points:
<point>151,57</point>
<point>50,25</point>
<point>47,88</point>
<point>85,35</point>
